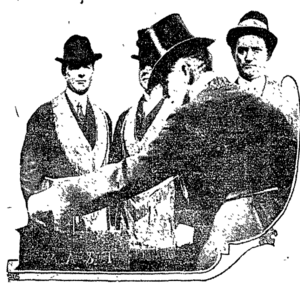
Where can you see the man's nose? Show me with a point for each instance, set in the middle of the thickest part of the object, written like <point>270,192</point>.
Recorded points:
<point>249,55</point>
<point>81,75</point>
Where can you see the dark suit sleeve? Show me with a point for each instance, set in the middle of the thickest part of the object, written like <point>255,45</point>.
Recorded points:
<point>167,157</point>
<point>33,160</point>
<point>224,146</point>
<point>231,145</point>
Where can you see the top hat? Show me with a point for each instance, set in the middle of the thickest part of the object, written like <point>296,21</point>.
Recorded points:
<point>164,43</point>
<point>78,51</point>
<point>253,23</point>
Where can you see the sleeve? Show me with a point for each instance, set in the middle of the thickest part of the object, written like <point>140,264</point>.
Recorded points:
<point>290,107</point>
<point>33,159</point>
<point>217,148</point>
<point>167,157</point>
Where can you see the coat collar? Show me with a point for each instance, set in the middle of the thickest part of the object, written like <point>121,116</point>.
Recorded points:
<point>73,141</point>
<point>76,99</point>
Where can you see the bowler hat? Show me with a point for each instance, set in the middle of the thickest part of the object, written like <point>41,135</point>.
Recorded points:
<point>78,51</point>
<point>253,23</point>
<point>164,43</point>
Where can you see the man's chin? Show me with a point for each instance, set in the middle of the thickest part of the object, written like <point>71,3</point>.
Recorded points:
<point>80,90</point>
<point>249,75</point>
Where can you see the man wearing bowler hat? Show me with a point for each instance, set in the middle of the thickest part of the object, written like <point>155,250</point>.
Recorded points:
<point>252,45</point>
<point>133,215</point>
<point>66,137</point>
<point>171,63</point>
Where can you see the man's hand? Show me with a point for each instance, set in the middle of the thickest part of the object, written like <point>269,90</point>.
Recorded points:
<point>218,82</point>
<point>207,80</point>
<point>52,199</point>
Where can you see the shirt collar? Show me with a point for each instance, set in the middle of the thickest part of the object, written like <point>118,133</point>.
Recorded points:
<point>255,86</point>
<point>75,99</point>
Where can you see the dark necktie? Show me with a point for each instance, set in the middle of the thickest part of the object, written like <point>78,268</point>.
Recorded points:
<point>144,122</point>
<point>79,112</point>
<point>140,118</point>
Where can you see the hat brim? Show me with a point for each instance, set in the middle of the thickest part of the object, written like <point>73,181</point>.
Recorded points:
<point>183,49</point>
<point>235,33</point>
<point>77,61</point>
<point>134,56</point>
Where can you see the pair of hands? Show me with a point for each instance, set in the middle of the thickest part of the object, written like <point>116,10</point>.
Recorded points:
<point>68,195</point>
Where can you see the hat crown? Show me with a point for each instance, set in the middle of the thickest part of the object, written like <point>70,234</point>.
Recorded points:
<point>78,50</point>
<point>170,31</point>
<point>157,40</point>
<point>253,23</point>
<point>165,42</point>
<point>255,15</point>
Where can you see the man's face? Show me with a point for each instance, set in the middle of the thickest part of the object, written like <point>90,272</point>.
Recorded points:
<point>251,56</point>
<point>79,78</point>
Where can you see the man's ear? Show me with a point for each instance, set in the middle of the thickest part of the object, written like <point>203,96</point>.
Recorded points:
<point>233,52</point>
<point>185,68</point>
<point>188,72</point>
<point>144,75</point>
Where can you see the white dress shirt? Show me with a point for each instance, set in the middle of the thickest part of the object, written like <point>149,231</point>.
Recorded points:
<point>75,99</point>
<point>256,86</point>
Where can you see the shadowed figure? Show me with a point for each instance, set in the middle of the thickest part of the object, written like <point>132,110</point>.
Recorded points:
<point>229,144</point>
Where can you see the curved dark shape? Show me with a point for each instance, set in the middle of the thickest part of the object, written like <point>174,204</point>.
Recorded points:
<point>231,146</point>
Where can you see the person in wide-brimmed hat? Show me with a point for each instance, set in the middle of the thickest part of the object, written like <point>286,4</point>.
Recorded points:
<point>66,137</point>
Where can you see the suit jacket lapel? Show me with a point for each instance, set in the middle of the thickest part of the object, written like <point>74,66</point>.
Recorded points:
<point>77,148</point>
<point>134,146</point>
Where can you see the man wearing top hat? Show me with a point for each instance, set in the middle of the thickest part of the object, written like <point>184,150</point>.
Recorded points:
<point>196,148</point>
<point>207,148</point>
<point>66,137</point>
<point>179,59</point>
<point>166,46</point>
<point>193,59</point>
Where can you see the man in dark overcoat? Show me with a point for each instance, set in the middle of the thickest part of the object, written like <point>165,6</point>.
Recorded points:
<point>66,137</point>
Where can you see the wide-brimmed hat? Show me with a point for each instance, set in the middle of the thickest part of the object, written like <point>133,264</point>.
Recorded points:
<point>161,45</point>
<point>78,51</point>
<point>253,23</point>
